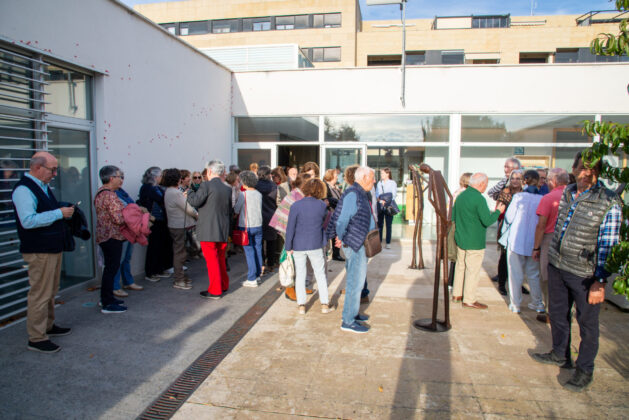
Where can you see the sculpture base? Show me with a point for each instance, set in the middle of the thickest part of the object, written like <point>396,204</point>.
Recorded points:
<point>428,326</point>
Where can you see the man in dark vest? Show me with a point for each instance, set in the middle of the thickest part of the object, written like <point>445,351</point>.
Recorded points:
<point>352,220</point>
<point>41,231</point>
<point>588,226</point>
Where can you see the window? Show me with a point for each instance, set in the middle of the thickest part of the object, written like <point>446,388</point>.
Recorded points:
<point>567,55</point>
<point>384,60</point>
<point>170,27</point>
<point>225,26</point>
<point>262,26</point>
<point>533,58</point>
<point>490,21</point>
<point>328,20</point>
<point>256,24</point>
<point>414,58</point>
<point>323,54</point>
<point>301,22</point>
<point>253,129</point>
<point>194,28</point>
<point>69,93</point>
<point>388,128</point>
<point>284,22</point>
<point>452,57</point>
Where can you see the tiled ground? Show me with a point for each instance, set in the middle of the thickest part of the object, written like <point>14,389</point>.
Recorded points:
<point>292,366</point>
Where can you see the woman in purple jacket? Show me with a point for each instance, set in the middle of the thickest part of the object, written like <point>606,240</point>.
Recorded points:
<point>305,239</point>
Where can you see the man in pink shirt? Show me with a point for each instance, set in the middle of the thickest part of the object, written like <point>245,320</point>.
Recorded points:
<point>547,211</point>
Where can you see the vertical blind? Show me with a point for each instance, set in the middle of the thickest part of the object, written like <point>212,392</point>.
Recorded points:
<point>23,131</point>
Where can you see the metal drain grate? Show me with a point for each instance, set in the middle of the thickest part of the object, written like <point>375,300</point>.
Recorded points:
<point>178,392</point>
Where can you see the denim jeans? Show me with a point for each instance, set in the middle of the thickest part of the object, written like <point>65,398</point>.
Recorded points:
<point>382,217</point>
<point>355,272</point>
<point>253,252</point>
<point>317,260</point>
<point>125,267</point>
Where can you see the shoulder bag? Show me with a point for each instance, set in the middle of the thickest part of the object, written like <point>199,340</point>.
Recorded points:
<point>241,237</point>
<point>372,243</point>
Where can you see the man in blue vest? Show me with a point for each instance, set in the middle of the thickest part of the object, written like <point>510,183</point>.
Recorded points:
<point>588,226</point>
<point>41,231</point>
<point>355,220</point>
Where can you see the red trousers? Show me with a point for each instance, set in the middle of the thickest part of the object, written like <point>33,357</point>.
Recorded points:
<point>214,254</point>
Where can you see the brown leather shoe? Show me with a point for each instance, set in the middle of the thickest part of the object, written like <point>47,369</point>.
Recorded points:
<point>290,293</point>
<point>475,305</point>
<point>309,291</point>
<point>543,318</point>
<point>457,299</point>
<point>364,299</point>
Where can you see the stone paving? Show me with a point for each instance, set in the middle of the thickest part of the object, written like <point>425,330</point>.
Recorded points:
<point>295,366</point>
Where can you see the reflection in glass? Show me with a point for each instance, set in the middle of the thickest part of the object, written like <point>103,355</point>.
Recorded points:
<point>277,129</point>
<point>524,128</point>
<point>341,158</point>
<point>69,93</point>
<point>14,79</point>
<point>72,184</point>
<point>387,128</point>
<point>248,156</point>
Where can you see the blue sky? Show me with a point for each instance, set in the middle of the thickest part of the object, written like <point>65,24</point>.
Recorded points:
<point>417,9</point>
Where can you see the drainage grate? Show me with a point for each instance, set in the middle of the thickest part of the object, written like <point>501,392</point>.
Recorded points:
<point>178,392</point>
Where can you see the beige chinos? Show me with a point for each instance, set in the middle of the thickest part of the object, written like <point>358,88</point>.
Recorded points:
<point>44,271</point>
<point>467,273</point>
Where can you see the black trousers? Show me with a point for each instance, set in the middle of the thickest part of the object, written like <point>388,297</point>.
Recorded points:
<point>565,289</point>
<point>503,271</point>
<point>112,251</point>
<point>159,253</point>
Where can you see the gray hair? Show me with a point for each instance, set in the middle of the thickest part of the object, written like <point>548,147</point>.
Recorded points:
<point>248,179</point>
<point>477,179</point>
<point>38,161</point>
<point>216,167</point>
<point>151,174</point>
<point>559,176</point>
<point>107,172</point>
<point>362,172</point>
<point>516,163</point>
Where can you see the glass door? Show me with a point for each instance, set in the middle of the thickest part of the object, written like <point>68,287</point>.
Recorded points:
<point>340,157</point>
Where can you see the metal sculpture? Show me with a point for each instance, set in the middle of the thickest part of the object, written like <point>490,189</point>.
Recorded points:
<point>418,212</point>
<point>437,190</point>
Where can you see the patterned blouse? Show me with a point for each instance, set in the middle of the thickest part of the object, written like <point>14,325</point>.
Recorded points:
<point>109,218</point>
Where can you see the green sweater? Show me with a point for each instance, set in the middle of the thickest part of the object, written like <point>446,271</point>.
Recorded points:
<point>472,218</point>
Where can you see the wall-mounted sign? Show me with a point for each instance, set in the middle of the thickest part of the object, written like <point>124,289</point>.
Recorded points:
<point>518,151</point>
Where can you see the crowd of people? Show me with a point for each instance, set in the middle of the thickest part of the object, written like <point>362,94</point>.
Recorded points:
<point>553,231</point>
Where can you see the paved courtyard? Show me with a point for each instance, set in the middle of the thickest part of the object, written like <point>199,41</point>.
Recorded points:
<point>292,366</point>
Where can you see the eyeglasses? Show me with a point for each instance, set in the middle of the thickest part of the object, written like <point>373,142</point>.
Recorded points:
<point>196,177</point>
<point>53,170</point>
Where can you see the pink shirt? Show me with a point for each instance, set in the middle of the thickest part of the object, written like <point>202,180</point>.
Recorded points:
<point>549,207</point>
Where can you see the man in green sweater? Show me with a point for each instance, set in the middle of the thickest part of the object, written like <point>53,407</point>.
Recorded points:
<point>471,217</point>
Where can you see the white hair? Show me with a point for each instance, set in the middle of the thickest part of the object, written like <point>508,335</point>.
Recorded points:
<point>216,167</point>
<point>362,172</point>
<point>516,163</point>
<point>477,179</point>
<point>559,176</point>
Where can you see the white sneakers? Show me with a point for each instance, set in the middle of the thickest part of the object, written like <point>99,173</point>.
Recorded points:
<point>120,293</point>
<point>250,283</point>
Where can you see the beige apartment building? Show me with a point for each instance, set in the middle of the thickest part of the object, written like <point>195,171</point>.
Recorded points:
<point>331,33</point>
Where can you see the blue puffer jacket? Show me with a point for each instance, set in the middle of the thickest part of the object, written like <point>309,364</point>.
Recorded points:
<point>359,223</point>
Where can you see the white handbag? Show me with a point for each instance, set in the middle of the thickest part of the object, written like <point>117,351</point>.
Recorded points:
<point>287,271</point>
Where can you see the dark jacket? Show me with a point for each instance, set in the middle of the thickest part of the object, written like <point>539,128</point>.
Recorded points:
<point>75,226</point>
<point>358,226</point>
<point>268,189</point>
<point>213,199</point>
<point>304,231</point>
<point>152,197</point>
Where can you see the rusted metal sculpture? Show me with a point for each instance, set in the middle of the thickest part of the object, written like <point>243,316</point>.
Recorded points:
<point>437,190</point>
<point>418,213</point>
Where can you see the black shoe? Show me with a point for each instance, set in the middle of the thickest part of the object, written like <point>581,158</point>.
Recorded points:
<point>44,346</point>
<point>552,359</point>
<point>524,291</point>
<point>502,291</point>
<point>57,331</point>
<point>208,295</point>
<point>579,381</point>
<point>339,258</point>
<point>362,317</point>
<point>115,302</point>
<point>494,279</point>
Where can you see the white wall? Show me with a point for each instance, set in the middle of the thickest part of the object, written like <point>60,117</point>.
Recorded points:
<point>557,88</point>
<point>159,101</point>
